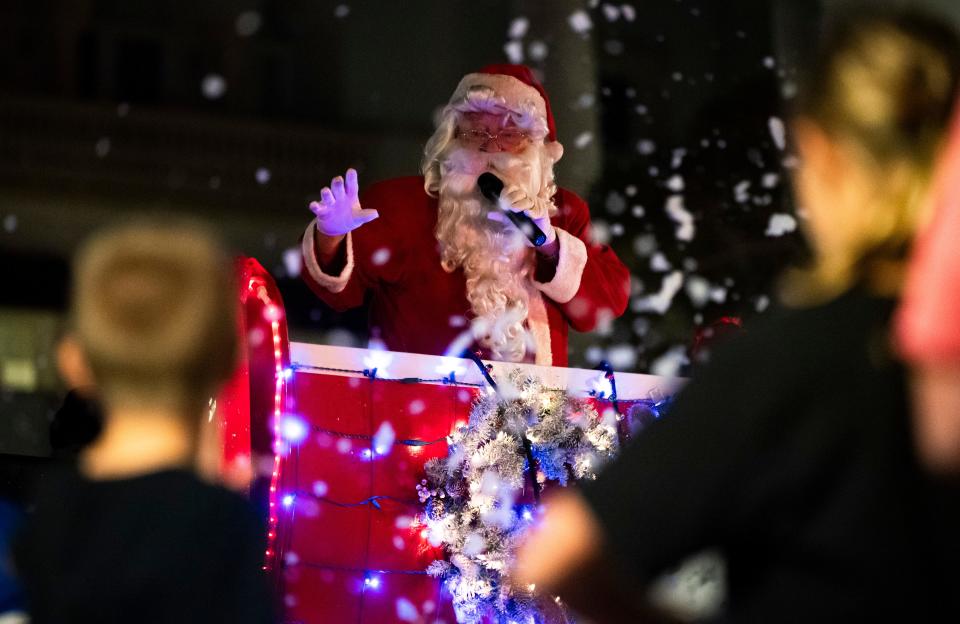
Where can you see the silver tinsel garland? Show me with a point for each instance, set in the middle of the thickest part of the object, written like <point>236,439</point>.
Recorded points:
<point>472,499</point>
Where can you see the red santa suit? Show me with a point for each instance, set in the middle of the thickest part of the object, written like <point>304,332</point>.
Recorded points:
<point>395,260</point>
<point>416,306</point>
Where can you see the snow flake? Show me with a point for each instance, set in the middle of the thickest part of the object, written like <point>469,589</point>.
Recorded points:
<point>659,263</point>
<point>593,354</point>
<point>538,50</point>
<point>583,139</point>
<point>580,22</point>
<point>406,612</point>
<point>622,356</point>
<point>384,438</point>
<point>247,23</point>
<point>670,363</point>
<point>616,204</point>
<point>518,28</point>
<point>660,302</point>
<point>102,148</point>
<point>586,100</point>
<point>778,132</point>
<point>645,244</point>
<point>613,47</point>
<point>676,157</point>
<point>741,191</point>
<point>646,147</point>
<point>700,291</point>
<point>293,261</point>
<point>514,51</point>
<point>600,232</point>
<point>213,86</point>
<point>380,257</point>
<point>679,214</point>
<point>780,224</point>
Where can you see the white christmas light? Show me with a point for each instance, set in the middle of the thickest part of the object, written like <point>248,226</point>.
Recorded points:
<point>293,429</point>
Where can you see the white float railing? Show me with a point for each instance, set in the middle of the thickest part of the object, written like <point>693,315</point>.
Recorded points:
<point>393,365</point>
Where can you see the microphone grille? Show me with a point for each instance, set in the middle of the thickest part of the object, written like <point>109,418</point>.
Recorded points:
<point>490,186</point>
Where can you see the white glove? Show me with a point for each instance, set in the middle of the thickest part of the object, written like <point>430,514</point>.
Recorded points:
<point>515,199</point>
<point>338,210</point>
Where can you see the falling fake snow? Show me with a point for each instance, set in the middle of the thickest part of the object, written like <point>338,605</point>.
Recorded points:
<point>780,224</point>
<point>681,216</point>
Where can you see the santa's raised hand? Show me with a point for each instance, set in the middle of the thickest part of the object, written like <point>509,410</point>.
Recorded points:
<point>515,199</point>
<point>338,211</point>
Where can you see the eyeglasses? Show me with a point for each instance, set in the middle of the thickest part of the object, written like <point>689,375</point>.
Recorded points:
<point>508,139</point>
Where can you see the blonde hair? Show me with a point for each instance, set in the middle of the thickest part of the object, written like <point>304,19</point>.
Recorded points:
<point>153,311</point>
<point>884,84</point>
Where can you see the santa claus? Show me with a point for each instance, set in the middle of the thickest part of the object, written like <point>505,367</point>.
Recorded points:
<point>442,266</point>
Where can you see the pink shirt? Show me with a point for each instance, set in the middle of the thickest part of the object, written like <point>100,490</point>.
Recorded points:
<point>928,322</point>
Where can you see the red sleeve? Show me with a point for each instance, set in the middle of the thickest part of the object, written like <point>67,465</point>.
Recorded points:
<point>342,291</point>
<point>361,269</point>
<point>590,282</point>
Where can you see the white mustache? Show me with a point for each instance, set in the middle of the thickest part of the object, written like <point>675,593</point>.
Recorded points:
<point>509,167</point>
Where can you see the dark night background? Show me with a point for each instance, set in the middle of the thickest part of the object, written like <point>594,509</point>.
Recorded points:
<point>239,111</point>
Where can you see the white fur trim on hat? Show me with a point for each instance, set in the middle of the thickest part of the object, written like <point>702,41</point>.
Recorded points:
<point>479,91</point>
<point>566,280</point>
<point>333,283</point>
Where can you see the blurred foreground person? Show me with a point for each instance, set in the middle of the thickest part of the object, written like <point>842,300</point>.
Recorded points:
<point>134,535</point>
<point>928,322</point>
<point>792,452</point>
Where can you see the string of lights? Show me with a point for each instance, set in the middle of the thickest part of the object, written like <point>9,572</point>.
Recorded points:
<point>366,436</point>
<point>373,501</point>
<point>273,314</point>
<point>371,578</point>
<point>371,374</point>
<point>338,568</point>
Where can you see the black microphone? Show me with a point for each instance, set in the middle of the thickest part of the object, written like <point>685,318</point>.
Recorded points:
<point>490,187</point>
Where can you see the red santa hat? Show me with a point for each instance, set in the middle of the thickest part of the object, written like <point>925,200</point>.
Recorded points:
<point>516,86</point>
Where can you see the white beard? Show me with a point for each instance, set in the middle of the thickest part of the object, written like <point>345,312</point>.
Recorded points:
<point>496,262</point>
